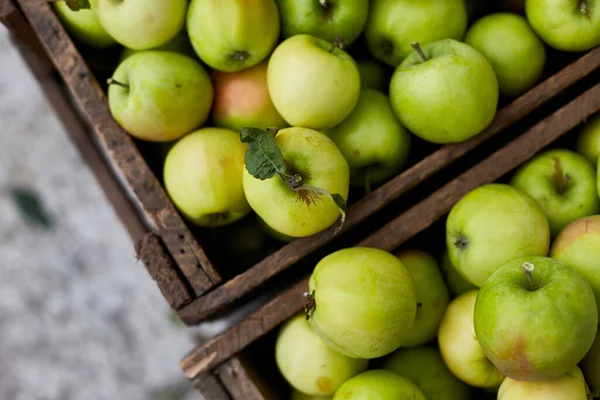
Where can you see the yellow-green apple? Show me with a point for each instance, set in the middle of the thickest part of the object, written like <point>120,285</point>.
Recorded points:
<point>434,82</point>
<point>459,347</point>
<point>319,163</point>
<point>455,281</point>
<point>325,19</point>
<point>432,296</point>
<point>590,365</point>
<point>571,386</point>
<point>379,384</point>
<point>159,96</point>
<point>313,83</point>
<point>588,142</point>
<point>84,25</point>
<point>381,314</point>
<point>296,395</point>
<point>393,26</point>
<point>203,176</point>
<point>275,234</point>
<point>568,25</point>
<point>492,225</point>
<point>372,140</point>
<point>179,44</point>
<point>308,364</point>
<point>563,183</point>
<point>242,99</point>
<point>528,306</point>
<point>374,75</point>
<point>142,24</point>
<point>578,245</point>
<point>231,35</point>
<point>512,47</point>
<point>424,366</point>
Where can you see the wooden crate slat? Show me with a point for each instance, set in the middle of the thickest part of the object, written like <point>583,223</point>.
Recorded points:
<point>7,7</point>
<point>211,388</point>
<point>235,377</point>
<point>234,289</point>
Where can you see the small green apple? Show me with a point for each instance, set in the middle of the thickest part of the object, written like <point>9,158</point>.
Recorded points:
<point>160,96</point>
<point>296,395</point>
<point>568,25</point>
<point>512,47</point>
<point>425,367</point>
<point>445,93</point>
<point>492,225</point>
<point>459,347</point>
<point>310,365</point>
<point>242,99</point>
<point>588,142</point>
<point>374,75</point>
<point>432,296</point>
<point>393,26</point>
<point>570,386</point>
<point>372,140</point>
<point>563,183</point>
<point>142,24</point>
<point>379,291</point>
<point>455,281</point>
<point>231,35</point>
<point>203,176</point>
<point>179,44</point>
<point>325,19</point>
<point>378,384</point>
<point>84,25</point>
<point>590,365</point>
<point>535,318</point>
<point>313,83</point>
<point>578,245</point>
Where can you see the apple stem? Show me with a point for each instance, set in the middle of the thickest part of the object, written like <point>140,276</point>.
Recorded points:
<point>112,81</point>
<point>324,4</point>
<point>561,180</point>
<point>419,51</point>
<point>583,7</point>
<point>338,43</point>
<point>528,269</point>
<point>309,305</point>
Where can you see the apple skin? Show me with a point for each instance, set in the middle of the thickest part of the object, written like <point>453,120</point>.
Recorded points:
<point>296,395</point>
<point>517,322</point>
<point>203,177</point>
<point>455,281</point>
<point>578,245</point>
<point>393,25</point>
<point>275,234</point>
<point>325,19</point>
<point>561,206</point>
<point>231,35</point>
<point>308,364</point>
<point>317,159</point>
<point>382,314</point>
<point>492,225</point>
<point>432,377</point>
<point>142,24</point>
<point>426,95</point>
<point>571,386</point>
<point>372,140</point>
<point>512,48</point>
<point>84,25</point>
<point>459,347</point>
<point>374,75</point>
<point>179,44</point>
<point>590,365</point>
<point>588,142</point>
<point>242,99</point>
<point>561,24</point>
<point>169,95</point>
<point>310,86</point>
<point>378,384</point>
<point>432,296</point>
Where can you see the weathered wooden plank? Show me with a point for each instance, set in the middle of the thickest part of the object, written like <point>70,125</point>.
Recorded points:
<point>211,388</point>
<point>238,381</point>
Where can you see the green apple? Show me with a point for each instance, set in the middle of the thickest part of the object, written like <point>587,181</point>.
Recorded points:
<point>459,347</point>
<point>142,24</point>
<point>203,176</point>
<point>374,75</point>
<point>378,384</point>
<point>425,367</point>
<point>372,140</point>
<point>296,395</point>
<point>535,318</point>
<point>568,25</point>
<point>430,87</point>
<point>84,25</point>
<point>231,35</point>
<point>578,245</point>
<point>242,99</point>
<point>275,234</point>
<point>563,183</point>
<point>432,296</point>
<point>160,96</point>
<point>325,19</point>
<point>512,47</point>
<point>571,386</point>
<point>455,281</point>
<point>590,365</point>
<point>588,142</point>
<point>393,26</point>
<point>318,161</point>
<point>362,302</point>
<point>308,364</point>
<point>313,83</point>
<point>492,225</point>
<point>179,44</point>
